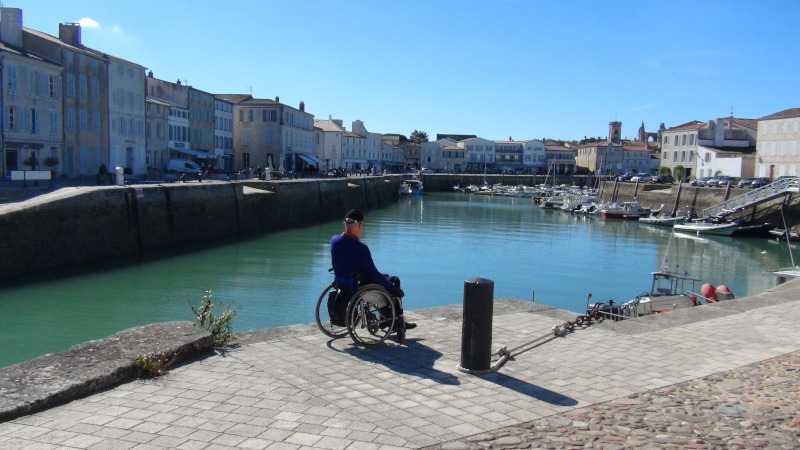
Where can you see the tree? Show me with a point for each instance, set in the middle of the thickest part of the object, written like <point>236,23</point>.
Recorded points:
<point>418,137</point>
<point>31,162</point>
<point>678,171</point>
<point>664,171</point>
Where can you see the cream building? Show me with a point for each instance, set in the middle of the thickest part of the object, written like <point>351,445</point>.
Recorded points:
<point>223,134</point>
<point>534,157</point>
<point>778,139</point>
<point>32,108</point>
<point>330,145</point>
<point>454,159</point>
<point>126,109</point>
<point>479,153</point>
<point>156,132</point>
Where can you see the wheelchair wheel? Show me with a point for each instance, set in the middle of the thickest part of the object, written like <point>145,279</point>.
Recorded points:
<point>323,319</point>
<point>371,316</point>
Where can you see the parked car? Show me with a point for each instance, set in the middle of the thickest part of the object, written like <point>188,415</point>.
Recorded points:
<point>641,177</point>
<point>182,165</point>
<point>664,179</point>
<point>427,170</point>
<point>726,180</point>
<point>700,181</point>
<point>626,177</point>
<point>746,182</point>
<point>760,182</point>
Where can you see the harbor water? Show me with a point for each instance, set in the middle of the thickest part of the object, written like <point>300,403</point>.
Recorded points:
<point>433,243</point>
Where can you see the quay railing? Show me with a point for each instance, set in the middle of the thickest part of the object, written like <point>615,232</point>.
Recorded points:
<point>753,197</point>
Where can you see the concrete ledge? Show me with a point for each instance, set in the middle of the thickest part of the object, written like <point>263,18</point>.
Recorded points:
<point>56,378</point>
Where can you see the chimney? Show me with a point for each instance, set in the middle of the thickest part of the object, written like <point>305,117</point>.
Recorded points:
<point>11,26</point>
<point>302,106</point>
<point>510,139</point>
<point>70,33</point>
<point>150,74</point>
<point>179,82</point>
<point>277,99</point>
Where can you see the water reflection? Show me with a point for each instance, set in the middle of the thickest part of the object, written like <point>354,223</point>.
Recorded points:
<point>433,243</point>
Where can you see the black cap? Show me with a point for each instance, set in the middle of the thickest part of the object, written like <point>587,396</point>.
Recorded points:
<point>353,216</point>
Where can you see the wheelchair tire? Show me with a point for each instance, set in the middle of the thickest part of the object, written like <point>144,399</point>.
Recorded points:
<point>364,322</point>
<point>325,326</point>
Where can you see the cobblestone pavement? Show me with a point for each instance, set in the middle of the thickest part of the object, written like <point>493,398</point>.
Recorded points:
<point>302,392</point>
<point>756,406</point>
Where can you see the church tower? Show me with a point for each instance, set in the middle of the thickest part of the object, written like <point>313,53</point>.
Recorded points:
<point>642,133</point>
<point>614,132</point>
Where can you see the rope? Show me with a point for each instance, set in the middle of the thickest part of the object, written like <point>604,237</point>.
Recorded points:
<point>505,354</point>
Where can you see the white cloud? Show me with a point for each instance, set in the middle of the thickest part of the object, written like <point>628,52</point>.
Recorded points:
<point>90,23</point>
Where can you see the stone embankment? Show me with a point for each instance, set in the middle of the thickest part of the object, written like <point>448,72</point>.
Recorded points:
<point>73,226</point>
<point>757,406</point>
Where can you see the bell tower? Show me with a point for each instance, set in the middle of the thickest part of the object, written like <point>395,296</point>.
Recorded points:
<point>614,132</point>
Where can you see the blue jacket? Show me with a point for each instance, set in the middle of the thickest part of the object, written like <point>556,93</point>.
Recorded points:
<point>350,255</point>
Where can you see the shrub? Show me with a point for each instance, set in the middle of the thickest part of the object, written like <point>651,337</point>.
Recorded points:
<point>50,161</point>
<point>664,171</point>
<point>153,365</point>
<point>216,320</point>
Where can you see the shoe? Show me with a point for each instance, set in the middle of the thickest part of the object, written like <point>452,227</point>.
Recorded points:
<point>410,326</point>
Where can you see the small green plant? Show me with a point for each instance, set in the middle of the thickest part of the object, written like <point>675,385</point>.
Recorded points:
<point>664,171</point>
<point>217,320</point>
<point>153,365</point>
<point>50,161</point>
<point>31,162</point>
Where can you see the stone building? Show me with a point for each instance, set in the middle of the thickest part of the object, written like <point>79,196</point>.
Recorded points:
<point>223,134</point>
<point>479,154</point>
<point>85,100</point>
<point>156,133</point>
<point>181,135</point>
<point>560,159</point>
<point>778,139</point>
<point>454,159</point>
<point>127,116</point>
<point>330,141</point>
<point>201,121</point>
<point>31,99</point>
<point>617,155</point>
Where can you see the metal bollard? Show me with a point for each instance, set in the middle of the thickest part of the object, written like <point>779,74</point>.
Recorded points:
<point>476,326</point>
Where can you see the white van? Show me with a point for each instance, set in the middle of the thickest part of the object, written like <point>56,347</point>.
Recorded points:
<point>182,165</point>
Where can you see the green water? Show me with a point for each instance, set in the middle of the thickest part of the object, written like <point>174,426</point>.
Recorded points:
<point>433,243</point>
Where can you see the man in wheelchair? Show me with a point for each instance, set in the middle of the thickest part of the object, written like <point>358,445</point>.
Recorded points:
<point>353,265</point>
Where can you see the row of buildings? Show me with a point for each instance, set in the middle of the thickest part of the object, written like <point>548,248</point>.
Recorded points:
<point>72,108</point>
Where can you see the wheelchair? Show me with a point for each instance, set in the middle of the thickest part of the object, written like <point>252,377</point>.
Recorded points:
<point>369,318</point>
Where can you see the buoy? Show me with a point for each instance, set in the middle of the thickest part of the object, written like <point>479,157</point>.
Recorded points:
<point>707,290</point>
<point>723,288</point>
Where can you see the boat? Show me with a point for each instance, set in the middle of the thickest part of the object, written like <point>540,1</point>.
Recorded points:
<point>725,228</point>
<point>416,187</point>
<point>576,203</point>
<point>782,235</point>
<point>669,291</point>
<point>629,210</point>
<point>662,219</point>
<point>556,201</point>
<point>404,191</point>
<point>460,187</point>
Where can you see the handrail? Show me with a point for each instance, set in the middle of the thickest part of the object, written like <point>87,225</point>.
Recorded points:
<point>756,195</point>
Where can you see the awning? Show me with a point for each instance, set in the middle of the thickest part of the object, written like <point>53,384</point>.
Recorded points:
<point>305,158</point>
<point>374,163</point>
<point>190,151</point>
<point>511,165</point>
<point>316,160</point>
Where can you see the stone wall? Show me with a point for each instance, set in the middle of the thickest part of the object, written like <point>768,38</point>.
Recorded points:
<point>78,225</point>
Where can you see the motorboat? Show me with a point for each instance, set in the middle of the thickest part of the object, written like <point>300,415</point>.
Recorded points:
<point>460,187</point>
<point>662,219</point>
<point>578,202</point>
<point>556,201</point>
<point>725,228</point>
<point>404,191</point>
<point>783,235</point>
<point>629,210</point>
<point>416,186</point>
<point>669,291</point>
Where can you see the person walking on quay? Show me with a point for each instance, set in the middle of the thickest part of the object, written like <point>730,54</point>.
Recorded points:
<point>209,172</point>
<point>202,172</point>
<point>349,255</point>
<point>102,174</point>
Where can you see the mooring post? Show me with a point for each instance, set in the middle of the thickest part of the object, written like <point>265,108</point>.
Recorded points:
<point>635,190</point>
<point>727,192</point>
<point>476,325</point>
<point>533,297</point>
<point>677,199</point>
<point>614,194</point>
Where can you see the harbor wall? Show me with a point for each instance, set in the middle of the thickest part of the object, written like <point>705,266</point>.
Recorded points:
<point>73,226</point>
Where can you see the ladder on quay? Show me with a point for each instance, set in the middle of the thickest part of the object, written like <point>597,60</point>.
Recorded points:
<point>752,198</point>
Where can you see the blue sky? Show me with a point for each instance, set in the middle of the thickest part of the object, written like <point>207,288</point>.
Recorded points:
<point>520,68</point>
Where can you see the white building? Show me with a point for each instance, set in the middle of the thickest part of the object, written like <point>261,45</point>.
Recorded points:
<point>534,157</point>
<point>223,134</point>
<point>480,153</point>
<point>178,124</point>
<point>126,110</point>
<point>778,138</point>
<point>330,136</point>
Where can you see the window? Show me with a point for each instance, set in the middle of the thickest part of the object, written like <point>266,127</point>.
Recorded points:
<point>82,86</point>
<point>241,115</point>
<point>785,127</point>
<point>11,73</point>
<point>96,121</point>
<point>82,154</point>
<point>796,127</point>
<point>12,118</point>
<point>70,85</point>
<point>765,129</point>
<point>676,140</point>
<point>246,159</point>
<point>83,119</point>
<point>94,63</point>
<point>31,82</point>
<point>71,119</point>
<point>675,155</point>
<point>130,100</point>
<point>683,139</point>
<point>691,139</point>
<point>708,157</point>
<point>666,140</point>
<point>774,148</point>
<point>122,127</point>
<point>783,148</point>
<point>249,115</point>
<point>764,148</point>
<point>95,89</point>
<point>68,55</point>
<point>246,137</point>
<point>774,128</point>
<point>95,159</point>
<point>269,137</point>
<point>691,155</point>
<point>794,148</point>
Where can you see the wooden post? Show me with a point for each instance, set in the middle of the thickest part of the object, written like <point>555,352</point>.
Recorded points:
<point>635,190</point>
<point>727,192</point>
<point>614,194</point>
<point>677,199</point>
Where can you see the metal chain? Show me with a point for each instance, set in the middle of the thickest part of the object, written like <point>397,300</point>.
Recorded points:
<point>505,354</point>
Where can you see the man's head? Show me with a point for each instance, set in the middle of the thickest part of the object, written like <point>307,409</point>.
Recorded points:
<point>354,222</point>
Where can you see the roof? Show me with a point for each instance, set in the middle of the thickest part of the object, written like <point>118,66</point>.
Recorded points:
<point>452,147</point>
<point>510,142</point>
<point>693,125</point>
<point>328,125</point>
<point>58,41</point>
<point>233,98</point>
<point>158,102</point>
<point>258,102</point>
<point>749,123</point>
<point>24,53</point>
<point>791,112</point>
<point>636,146</point>
<point>558,148</point>
<point>350,134</point>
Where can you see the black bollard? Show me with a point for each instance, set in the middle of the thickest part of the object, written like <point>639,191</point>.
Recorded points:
<point>476,326</point>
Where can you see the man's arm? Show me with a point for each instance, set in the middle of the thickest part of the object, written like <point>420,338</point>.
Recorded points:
<point>368,266</point>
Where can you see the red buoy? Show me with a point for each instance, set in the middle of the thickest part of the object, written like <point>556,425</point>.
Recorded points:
<point>723,288</point>
<point>707,290</point>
